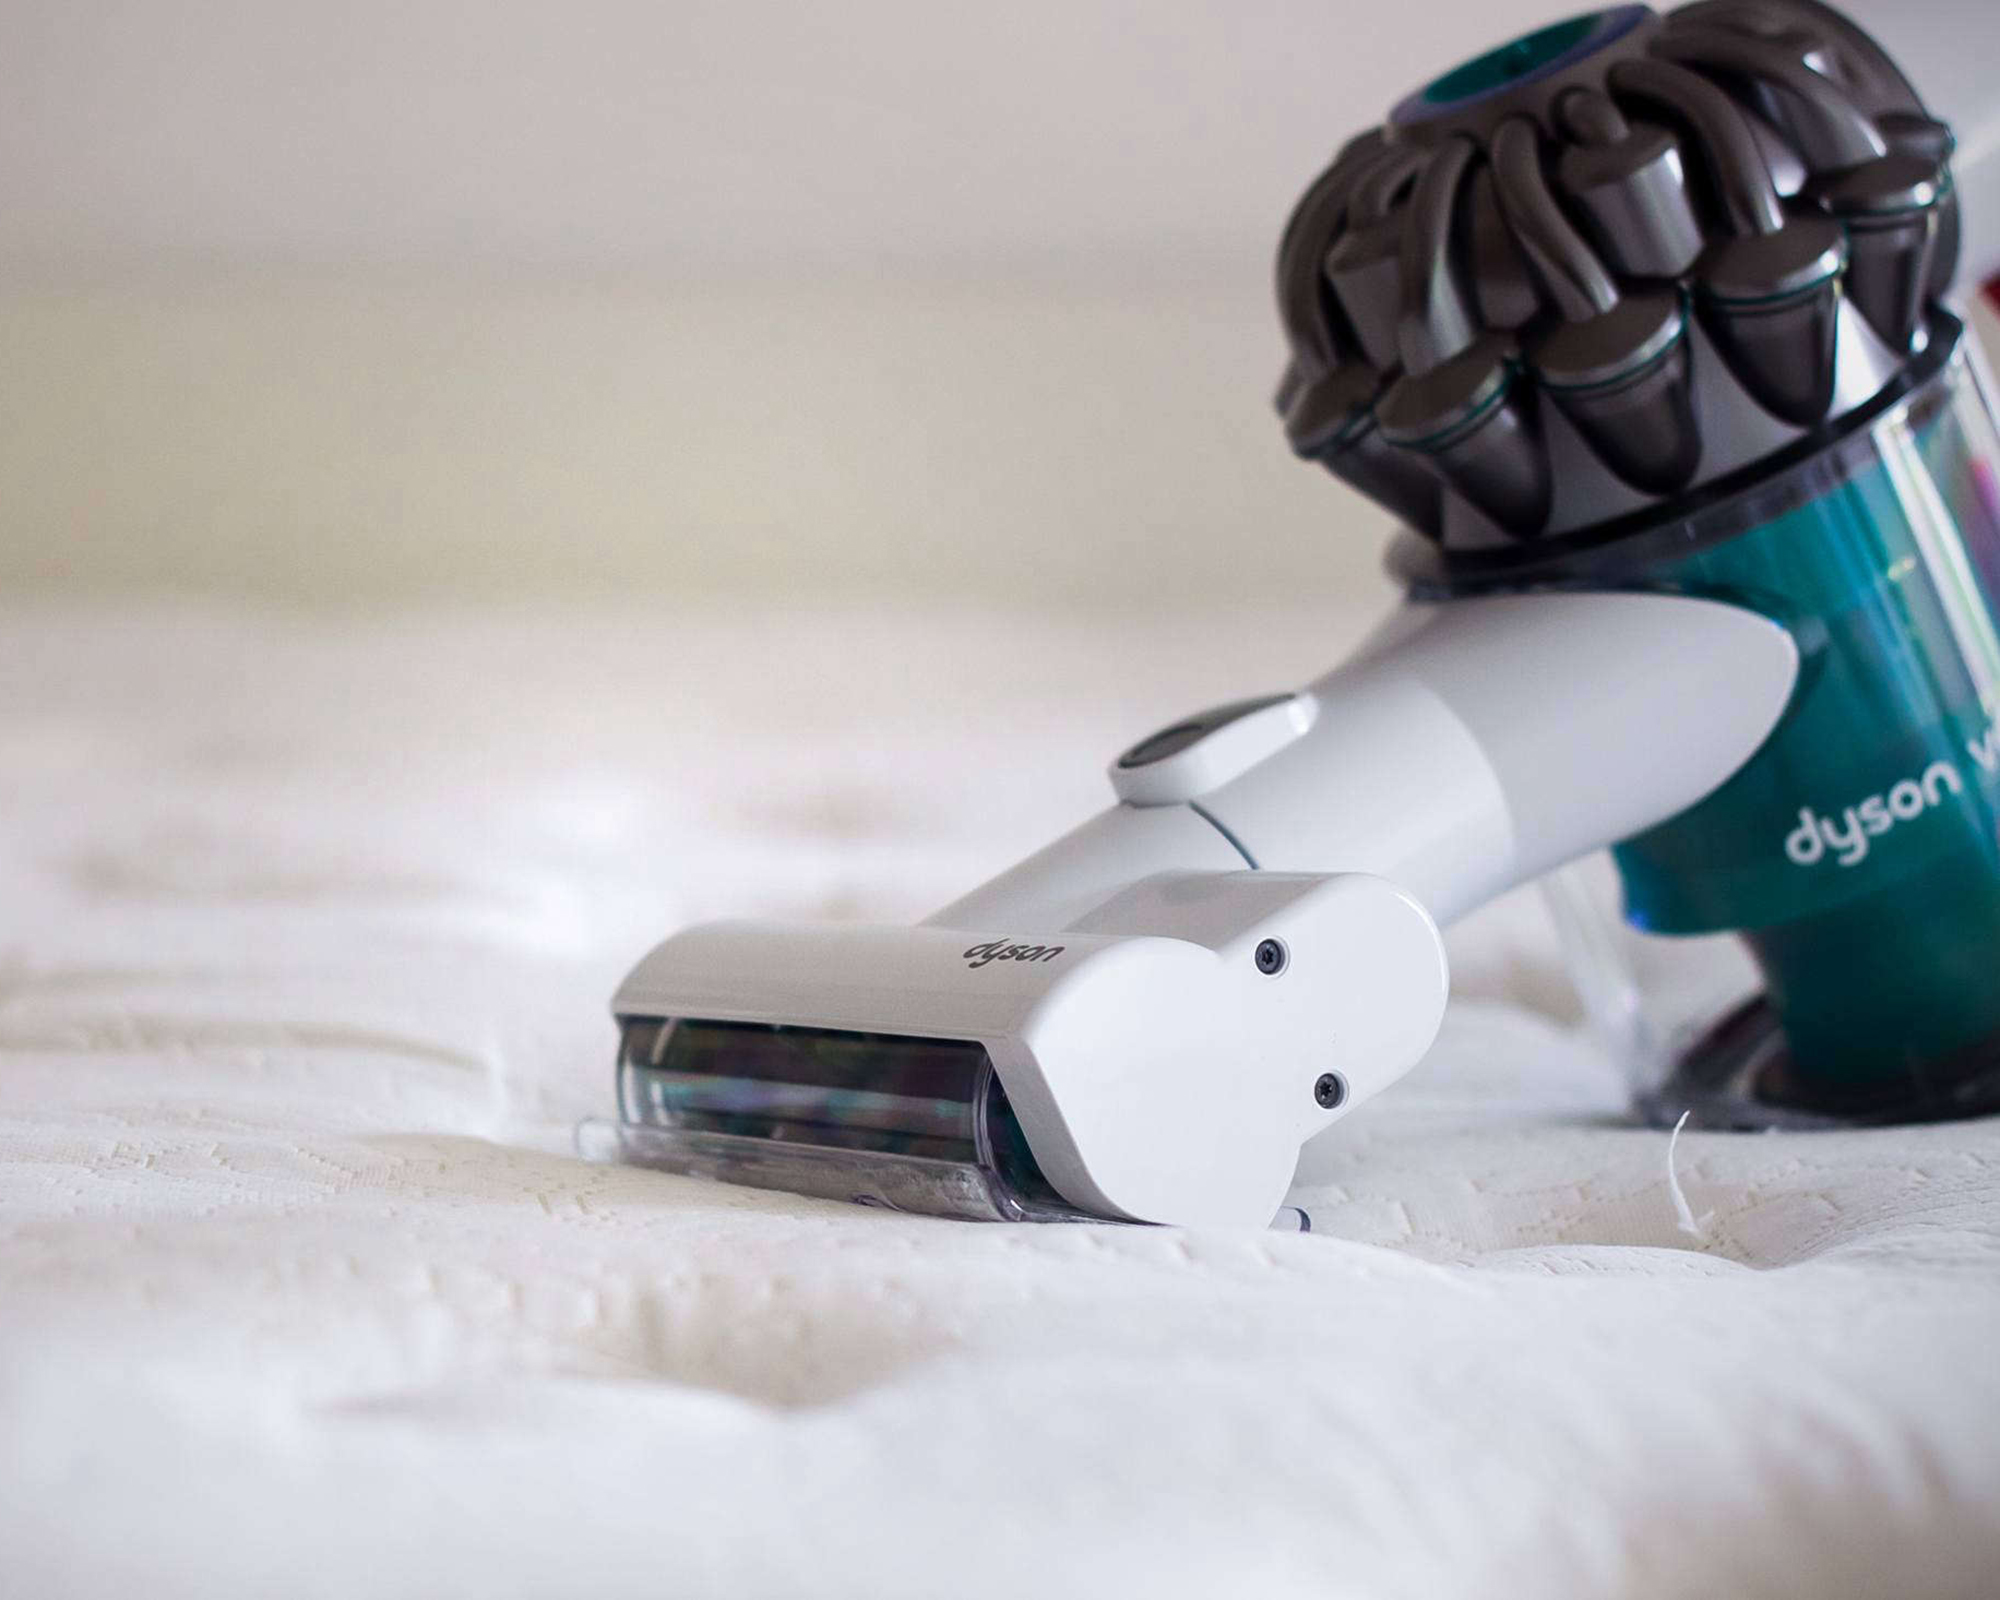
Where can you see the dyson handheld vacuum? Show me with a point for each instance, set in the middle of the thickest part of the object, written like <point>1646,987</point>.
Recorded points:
<point>1636,324</point>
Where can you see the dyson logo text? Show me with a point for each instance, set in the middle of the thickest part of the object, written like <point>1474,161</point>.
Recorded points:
<point>1000,950</point>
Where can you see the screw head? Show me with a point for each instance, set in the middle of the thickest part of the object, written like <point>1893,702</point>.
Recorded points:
<point>1271,957</point>
<point>1330,1090</point>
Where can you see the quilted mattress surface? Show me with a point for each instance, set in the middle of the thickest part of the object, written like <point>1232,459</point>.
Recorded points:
<point>307,930</point>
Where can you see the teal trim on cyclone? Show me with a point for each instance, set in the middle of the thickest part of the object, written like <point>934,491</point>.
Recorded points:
<point>1431,443</point>
<point>1509,63</point>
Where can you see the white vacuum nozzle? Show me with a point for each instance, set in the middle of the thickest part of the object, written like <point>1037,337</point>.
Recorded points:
<point>1162,1060</point>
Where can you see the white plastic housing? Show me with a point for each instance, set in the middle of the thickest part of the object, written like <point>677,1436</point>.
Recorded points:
<point>1158,1072</point>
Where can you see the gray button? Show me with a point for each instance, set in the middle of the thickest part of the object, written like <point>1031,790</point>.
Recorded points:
<point>1176,738</point>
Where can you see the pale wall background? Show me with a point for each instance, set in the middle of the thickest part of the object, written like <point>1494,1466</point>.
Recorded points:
<point>335,302</point>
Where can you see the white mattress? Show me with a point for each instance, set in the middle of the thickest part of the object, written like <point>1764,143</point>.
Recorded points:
<point>306,934</point>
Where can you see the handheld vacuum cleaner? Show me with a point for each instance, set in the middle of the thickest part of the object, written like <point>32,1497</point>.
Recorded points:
<point>1636,324</point>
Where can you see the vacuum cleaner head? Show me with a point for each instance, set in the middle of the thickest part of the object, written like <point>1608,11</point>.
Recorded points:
<point>1162,1060</point>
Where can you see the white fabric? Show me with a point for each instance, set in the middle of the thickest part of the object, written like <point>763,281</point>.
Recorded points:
<point>306,934</point>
